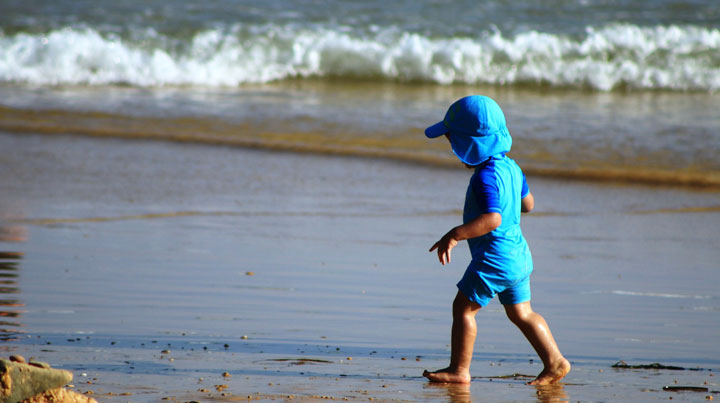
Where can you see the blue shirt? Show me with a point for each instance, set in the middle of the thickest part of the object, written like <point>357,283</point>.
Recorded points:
<point>498,186</point>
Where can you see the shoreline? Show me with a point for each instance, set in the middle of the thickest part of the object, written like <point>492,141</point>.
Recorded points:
<point>305,143</point>
<point>668,139</point>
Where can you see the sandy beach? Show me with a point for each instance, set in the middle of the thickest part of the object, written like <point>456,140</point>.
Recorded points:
<point>233,200</point>
<point>163,271</point>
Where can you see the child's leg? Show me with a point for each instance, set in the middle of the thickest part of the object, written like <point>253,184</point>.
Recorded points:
<point>538,333</point>
<point>464,330</point>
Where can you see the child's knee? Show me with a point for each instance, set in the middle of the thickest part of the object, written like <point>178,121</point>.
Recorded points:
<point>513,316</point>
<point>463,306</point>
<point>519,313</point>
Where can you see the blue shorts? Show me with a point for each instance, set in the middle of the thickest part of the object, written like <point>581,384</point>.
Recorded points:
<point>480,289</point>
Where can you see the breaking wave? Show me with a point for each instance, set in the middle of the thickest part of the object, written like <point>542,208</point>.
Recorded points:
<point>606,58</point>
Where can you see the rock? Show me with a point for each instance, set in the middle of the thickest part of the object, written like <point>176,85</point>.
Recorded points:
<point>17,358</point>
<point>60,395</point>
<point>19,381</point>
<point>39,364</point>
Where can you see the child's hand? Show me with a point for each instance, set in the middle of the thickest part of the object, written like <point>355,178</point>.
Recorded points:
<point>444,246</point>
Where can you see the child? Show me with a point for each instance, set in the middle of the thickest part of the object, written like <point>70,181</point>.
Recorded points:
<point>501,261</point>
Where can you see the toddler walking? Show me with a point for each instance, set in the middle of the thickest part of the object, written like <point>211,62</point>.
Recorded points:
<point>501,261</point>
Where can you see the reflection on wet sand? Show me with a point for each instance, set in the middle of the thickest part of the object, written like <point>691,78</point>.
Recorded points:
<point>10,305</point>
<point>551,393</point>
<point>455,392</point>
<point>13,233</point>
<point>460,393</point>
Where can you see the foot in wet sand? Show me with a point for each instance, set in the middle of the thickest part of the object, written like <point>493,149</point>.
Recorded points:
<point>552,374</point>
<point>447,376</point>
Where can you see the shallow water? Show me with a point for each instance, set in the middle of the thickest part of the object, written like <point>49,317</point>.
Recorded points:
<point>132,247</point>
<point>645,137</point>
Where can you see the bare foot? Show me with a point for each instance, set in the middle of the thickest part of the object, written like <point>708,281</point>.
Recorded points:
<point>447,375</point>
<point>552,374</point>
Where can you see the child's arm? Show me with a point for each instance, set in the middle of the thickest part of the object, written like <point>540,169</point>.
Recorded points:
<point>527,203</point>
<point>473,229</point>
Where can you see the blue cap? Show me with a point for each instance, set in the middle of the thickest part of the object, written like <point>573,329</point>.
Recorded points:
<point>477,129</point>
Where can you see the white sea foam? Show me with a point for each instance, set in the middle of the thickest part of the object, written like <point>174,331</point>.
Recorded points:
<point>651,294</point>
<point>663,57</point>
<point>658,295</point>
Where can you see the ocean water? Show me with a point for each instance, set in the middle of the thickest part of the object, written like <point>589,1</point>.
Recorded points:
<point>600,45</point>
<point>612,90</point>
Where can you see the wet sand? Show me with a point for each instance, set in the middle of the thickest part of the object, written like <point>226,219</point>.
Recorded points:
<point>145,266</point>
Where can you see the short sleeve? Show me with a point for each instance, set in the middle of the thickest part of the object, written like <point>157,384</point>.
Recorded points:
<point>484,185</point>
<point>525,188</point>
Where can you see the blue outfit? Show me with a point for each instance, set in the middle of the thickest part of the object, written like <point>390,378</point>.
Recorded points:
<point>501,260</point>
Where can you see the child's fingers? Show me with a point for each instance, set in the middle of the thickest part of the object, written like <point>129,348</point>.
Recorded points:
<point>443,251</point>
<point>443,256</point>
<point>445,259</point>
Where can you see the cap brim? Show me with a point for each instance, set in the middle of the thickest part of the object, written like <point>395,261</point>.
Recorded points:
<point>436,130</point>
